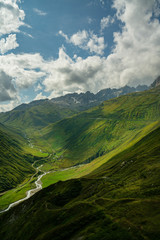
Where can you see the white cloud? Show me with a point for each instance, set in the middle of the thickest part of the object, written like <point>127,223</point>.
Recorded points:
<point>106,21</point>
<point>79,38</point>
<point>9,43</point>
<point>7,89</point>
<point>26,69</point>
<point>63,35</point>
<point>72,76</point>
<point>136,55</point>
<point>27,34</point>
<point>39,12</point>
<point>11,17</point>
<point>135,58</point>
<point>40,96</point>
<point>87,41</point>
<point>10,105</point>
<point>38,87</point>
<point>96,44</point>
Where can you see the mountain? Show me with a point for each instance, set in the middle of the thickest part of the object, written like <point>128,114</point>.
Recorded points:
<point>101,130</point>
<point>84,101</point>
<point>38,114</point>
<point>15,164</point>
<point>119,200</point>
<point>156,83</point>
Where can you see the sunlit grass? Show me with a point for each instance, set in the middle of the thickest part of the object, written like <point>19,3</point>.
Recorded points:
<point>15,194</point>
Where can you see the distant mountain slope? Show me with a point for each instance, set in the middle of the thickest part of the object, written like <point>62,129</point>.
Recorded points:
<point>38,114</point>
<point>35,115</point>
<point>14,163</point>
<point>156,83</point>
<point>96,132</point>
<point>120,200</point>
<point>87,100</point>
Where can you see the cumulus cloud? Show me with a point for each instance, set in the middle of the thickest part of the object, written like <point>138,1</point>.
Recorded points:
<point>137,47</point>
<point>135,58</point>
<point>7,89</point>
<point>80,74</point>
<point>26,69</point>
<point>11,17</point>
<point>39,12</point>
<point>87,41</point>
<point>106,22</point>
<point>9,43</point>
<point>79,38</point>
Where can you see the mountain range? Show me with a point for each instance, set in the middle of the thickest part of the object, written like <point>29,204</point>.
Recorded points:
<point>40,113</point>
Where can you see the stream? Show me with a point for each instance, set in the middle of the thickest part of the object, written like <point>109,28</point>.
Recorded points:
<point>29,193</point>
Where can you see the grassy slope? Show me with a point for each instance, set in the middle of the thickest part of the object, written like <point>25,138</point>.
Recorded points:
<point>101,130</point>
<point>85,169</point>
<point>15,163</point>
<point>119,200</point>
<point>32,116</point>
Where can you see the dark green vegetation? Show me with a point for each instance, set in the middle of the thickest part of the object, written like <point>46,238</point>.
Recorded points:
<point>15,164</point>
<point>119,200</point>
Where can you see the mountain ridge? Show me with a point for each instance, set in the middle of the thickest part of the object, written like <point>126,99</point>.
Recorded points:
<point>86,98</point>
<point>40,113</point>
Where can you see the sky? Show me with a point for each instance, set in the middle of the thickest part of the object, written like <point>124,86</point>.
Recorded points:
<point>49,48</point>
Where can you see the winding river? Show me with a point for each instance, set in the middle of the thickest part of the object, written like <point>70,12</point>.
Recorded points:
<point>38,184</point>
<point>30,193</point>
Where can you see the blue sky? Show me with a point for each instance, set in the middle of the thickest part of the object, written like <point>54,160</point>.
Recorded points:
<point>68,16</point>
<point>51,48</point>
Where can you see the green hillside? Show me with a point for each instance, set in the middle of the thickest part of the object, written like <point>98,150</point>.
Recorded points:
<point>119,200</point>
<point>35,115</point>
<point>101,130</point>
<point>91,137</point>
<point>15,164</point>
